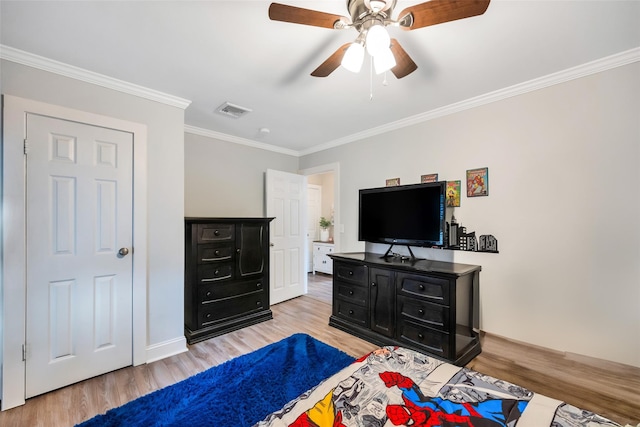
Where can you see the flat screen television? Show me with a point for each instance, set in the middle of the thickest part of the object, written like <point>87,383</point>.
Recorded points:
<point>411,215</point>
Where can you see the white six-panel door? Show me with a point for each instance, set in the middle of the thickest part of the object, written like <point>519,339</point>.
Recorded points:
<point>286,200</point>
<point>79,275</point>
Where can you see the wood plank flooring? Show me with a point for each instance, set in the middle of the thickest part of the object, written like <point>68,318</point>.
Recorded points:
<point>609,389</point>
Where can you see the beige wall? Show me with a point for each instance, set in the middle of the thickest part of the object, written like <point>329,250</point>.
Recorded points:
<point>227,179</point>
<point>563,204</point>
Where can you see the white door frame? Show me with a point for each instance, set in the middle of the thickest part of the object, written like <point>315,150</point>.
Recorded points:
<point>335,169</point>
<point>14,236</point>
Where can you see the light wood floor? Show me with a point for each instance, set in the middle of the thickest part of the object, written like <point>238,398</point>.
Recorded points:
<point>606,388</point>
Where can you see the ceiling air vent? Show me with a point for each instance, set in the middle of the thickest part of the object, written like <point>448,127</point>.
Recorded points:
<point>232,110</point>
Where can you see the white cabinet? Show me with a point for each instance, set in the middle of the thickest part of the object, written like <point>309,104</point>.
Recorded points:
<point>321,262</point>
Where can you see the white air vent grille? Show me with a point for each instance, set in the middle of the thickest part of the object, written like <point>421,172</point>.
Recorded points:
<point>232,110</point>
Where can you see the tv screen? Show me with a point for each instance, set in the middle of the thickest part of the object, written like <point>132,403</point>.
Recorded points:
<point>405,215</point>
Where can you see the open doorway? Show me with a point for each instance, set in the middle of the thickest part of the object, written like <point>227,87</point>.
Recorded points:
<point>323,203</point>
<point>320,228</point>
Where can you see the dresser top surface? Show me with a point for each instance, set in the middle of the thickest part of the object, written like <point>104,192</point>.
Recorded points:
<point>208,220</point>
<point>419,265</point>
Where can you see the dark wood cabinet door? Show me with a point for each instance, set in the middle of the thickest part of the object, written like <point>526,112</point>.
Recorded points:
<point>252,249</point>
<point>382,300</point>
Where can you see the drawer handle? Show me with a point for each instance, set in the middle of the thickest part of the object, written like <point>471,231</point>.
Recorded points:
<point>422,287</point>
<point>217,272</point>
<point>208,293</point>
<point>217,252</point>
<point>350,311</point>
<point>373,284</point>
<point>420,336</point>
<point>421,311</point>
<point>216,259</point>
<point>431,322</point>
<point>259,303</point>
<point>350,273</point>
<point>215,279</point>
<point>216,232</point>
<point>259,285</point>
<point>208,316</point>
<point>351,292</point>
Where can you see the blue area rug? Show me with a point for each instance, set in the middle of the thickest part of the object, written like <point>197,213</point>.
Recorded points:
<point>239,392</point>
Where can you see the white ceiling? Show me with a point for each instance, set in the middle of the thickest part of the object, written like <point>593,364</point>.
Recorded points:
<point>210,52</point>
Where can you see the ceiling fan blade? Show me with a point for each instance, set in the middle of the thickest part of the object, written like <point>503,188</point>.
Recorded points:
<point>438,11</point>
<point>404,63</point>
<point>298,15</point>
<point>332,62</point>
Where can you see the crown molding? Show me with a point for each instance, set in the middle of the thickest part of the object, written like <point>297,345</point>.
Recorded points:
<point>597,66</point>
<point>237,140</point>
<point>35,61</point>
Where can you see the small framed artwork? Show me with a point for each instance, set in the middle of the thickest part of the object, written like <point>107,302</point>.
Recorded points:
<point>453,194</point>
<point>478,182</point>
<point>393,182</point>
<point>432,177</point>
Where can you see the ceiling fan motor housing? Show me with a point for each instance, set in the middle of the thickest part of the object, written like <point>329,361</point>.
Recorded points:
<point>360,9</point>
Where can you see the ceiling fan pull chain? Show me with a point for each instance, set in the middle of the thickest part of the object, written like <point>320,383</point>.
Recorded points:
<point>371,78</point>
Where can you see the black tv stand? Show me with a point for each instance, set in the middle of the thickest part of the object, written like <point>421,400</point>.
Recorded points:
<point>388,253</point>
<point>430,306</point>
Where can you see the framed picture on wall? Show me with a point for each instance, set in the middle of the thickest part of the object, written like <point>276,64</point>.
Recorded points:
<point>453,194</point>
<point>392,182</point>
<point>432,177</point>
<point>478,182</point>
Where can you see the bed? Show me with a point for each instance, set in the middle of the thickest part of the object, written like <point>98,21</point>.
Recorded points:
<point>395,386</point>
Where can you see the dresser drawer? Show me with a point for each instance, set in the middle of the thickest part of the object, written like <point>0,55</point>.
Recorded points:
<point>433,289</point>
<point>355,294</point>
<point>232,307</point>
<point>215,232</point>
<point>427,339</point>
<point>432,315</point>
<point>350,272</point>
<point>214,272</point>
<point>215,253</point>
<point>226,289</point>
<point>354,313</point>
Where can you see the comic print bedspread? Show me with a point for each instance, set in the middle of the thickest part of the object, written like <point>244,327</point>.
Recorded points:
<point>400,387</point>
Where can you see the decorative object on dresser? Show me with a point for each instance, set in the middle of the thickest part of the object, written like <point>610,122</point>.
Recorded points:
<point>321,260</point>
<point>430,306</point>
<point>226,279</point>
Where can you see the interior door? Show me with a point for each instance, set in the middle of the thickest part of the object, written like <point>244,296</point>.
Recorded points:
<point>286,201</point>
<point>314,208</point>
<point>79,234</point>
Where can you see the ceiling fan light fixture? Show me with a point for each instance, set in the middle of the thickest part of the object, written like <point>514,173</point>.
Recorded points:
<point>384,61</point>
<point>353,57</point>
<point>377,39</point>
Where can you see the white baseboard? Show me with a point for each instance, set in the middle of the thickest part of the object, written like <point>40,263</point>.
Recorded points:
<point>165,349</point>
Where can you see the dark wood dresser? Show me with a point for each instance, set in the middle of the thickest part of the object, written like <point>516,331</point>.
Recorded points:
<point>430,306</point>
<point>226,278</point>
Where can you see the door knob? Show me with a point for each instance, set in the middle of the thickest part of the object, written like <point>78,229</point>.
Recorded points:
<point>123,251</point>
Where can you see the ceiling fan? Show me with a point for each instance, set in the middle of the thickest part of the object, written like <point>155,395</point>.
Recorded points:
<point>369,18</point>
